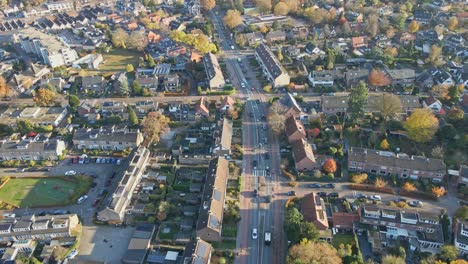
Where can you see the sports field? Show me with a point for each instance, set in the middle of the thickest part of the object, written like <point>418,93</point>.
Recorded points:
<point>37,192</point>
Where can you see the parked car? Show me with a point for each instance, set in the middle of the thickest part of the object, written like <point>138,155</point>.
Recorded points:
<point>375,197</point>
<point>254,163</point>
<point>96,202</point>
<point>329,185</point>
<point>314,185</point>
<point>415,204</point>
<point>292,193</point>
<point>399,199</point>
<point>267,156</point>
<point>255,192</point>
<point>333,195</point>
<point>98,160</point>
<point>322,194</point>
<point>60,212</point>
<point>70,173</point>
<point>254,233</point>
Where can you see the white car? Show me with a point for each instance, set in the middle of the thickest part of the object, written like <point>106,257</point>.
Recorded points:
<point>70,173</point>
<point>82,199</point>
<point>375,198</point>
<point>415,204</point>
<point>73,254</point>
<point>243,85</point>
<point>254,233</point>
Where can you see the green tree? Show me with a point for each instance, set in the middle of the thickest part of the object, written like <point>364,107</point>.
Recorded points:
<point>24,126</point>
<point>293,221</point>
<point>461,213</point>
<point>73,101</point>
<point>447,132</point>
<point>453,94</point>
<point>331,58</point>
<point>124,87</point>
<point>119,38</point>
<point>45,97</point>
<point>455,115</point>
<point>151,62</point>
<point>132,116</point>
<point>357,99</point>
<point>309,231</point>
<point>449,252</point>
<point>136,88</point>
<point>5,130</point>
<point>421,125</point>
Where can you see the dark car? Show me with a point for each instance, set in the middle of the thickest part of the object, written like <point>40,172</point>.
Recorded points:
<point>254,163</point>
<point>322,194</point>
<point>267,156</point>
<point>255,193</point>
<point>292,193</point>
<point>96,202</point>
<point>397,200</point>
<point>314,185</point>
<point>60,212</point>
<point>93,185</point>
<point>251,114</point>
<point>333,195</point>
<point>329,185</point>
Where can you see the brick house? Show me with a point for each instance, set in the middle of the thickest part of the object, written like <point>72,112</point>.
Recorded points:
<point>303,156</point>
<point>294,129</point>
<point>313,209</point>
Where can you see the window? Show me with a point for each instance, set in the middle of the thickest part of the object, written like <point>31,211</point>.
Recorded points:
<point>382,172</point>
<point>373,171</point>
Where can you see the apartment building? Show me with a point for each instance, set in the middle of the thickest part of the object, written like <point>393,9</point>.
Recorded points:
<point>461,237</point>
<point>210,217</point>
<point>31,149</point>
<point>387,163</point>
<point>114,212</point>
<point>223,138</point>
<point>43,228</point>
<point>60,6</point>
<point>50,49</point>
<point>107,138</point>
<point>271,67</point>
<point>422,230</point>
<point>213,71</point>
<point>39,116</point>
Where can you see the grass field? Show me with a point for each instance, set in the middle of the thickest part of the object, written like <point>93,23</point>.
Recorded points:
<point>117,60</point>
<point>342,239</point>
<point>37,192</point>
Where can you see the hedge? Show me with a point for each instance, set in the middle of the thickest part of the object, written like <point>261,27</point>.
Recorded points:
<point>371,188</point>
<point>418,194</point>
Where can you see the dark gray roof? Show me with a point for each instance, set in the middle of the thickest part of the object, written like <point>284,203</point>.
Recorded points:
<point>106,134</point>
<point>269,60</point>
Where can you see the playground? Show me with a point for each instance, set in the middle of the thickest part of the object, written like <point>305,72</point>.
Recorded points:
<point>38,192</point>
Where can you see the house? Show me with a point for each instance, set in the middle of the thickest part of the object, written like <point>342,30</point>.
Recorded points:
<point>109,108</point>
<point>441,77</point>
<point>223,139</point>
<point>57,82</point>
<point>197,252</point>
<point>325,78</point>
<point>227,104</point>
<point>298,32</point>
<point>440,5</point>
<point>254,38</point>
<point>276,35</point>
<point>292,50</point>
<point>39,116</point>
<point>359,42</point>
<point>294,129</point>
<point>41,228</point>
<point>432,103</point>
<point>107,138</point>
<point>353,17</point>
<point>193,7</point>
<point>313,49</point>
<point>406,37</point>
<point>121,83</point>
<point>422,17</point>
<point>90,61</point>
<point>115,206</point>
<point>421,229</point>
<point>210,217</point>
<point>313,209</point>
<point>385,163</point>
<point>148,82</point>
<point>461,237</point>
<point>93,84</point>
<point>201,109</point>
<point>26,80</point>
<point>139,243</point>
<point>213,71</point>
<point>353,77</point>
<point>292,107</point>
<point>171,83</point>
<point>86,107</point>
<point>401,77</point>
<point>303,155</point>
<point>385,10</point>
<point>271,67</point>
<point>32,149</point>
<point>424,80</point>
<point>48,48</point>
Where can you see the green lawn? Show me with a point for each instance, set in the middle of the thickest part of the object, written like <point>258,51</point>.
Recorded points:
<point>342,239</point>
<point>229,230</point>
<point>117,59</point>
<point>224,245</point>
<point>37,192</point>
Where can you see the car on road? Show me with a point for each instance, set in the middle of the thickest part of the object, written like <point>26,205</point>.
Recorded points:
<point>96,202</point>
<point>82,199</point>
<point>70,173</point>
<point>60,212</point>
<point>243,85</point>
<point>254,163</point>
<point>292,193</point>
<point>399,199</point>
<point>254,233</point>
<point>415,204</point>
<point>361,196</point>
<point>329,185</point>
<point>267,156</point>
<point>333,195</point>
<point>314,185</point>
<point>375,197</point>
<point>322,194</point>
<point>73,254</point>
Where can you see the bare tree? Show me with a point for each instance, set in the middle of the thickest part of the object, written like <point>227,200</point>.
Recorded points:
<point>276,117</point>
<point>137,40</point>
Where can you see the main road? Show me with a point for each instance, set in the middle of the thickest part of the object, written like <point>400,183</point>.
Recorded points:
<point>260,172</point>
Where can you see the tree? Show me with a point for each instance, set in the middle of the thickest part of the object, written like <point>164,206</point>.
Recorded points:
<point>309,231</point>
<point>73,101</point>
<point>384,144</point>
<point>372,25</point>
<point>129,68</point>
<point>438,191</point>
<point>454,94</point>
<point>119,38</point>
<point>461,213</point>
<point>263,6</point>
<point>293,221</point>
<point>391,51</point>
<point>449,252</point>
<point>452,23</point>
<point>331,58</point>
<point>345,250</point>
<point>132,116</point>
<point>153,125</point>
<point>380,183</point>
<point>281,9</point>
<point>123,88</point>
<point>232,19</point>
<point>137,40</point>
<point>421,125</point>
<point>136,87</point>
<point>413,27</point>
<point>438,152</point>
<point>276,118</point>
<point>293,5</point>
<point>24,126</point>
<point>151,62</point>
<point>357,98</point>
<point>409,187</point>
<point>208,4</point>
<point>388,105</point>
<point>5,89</point>
<point>378,78</point>
<point>447,132</point>
<point>359,178</point>
<point>313,252</point>
<point>434,54</point>
<point>44,97</point>
<point>392,259</point>
<point>455,115</point>
<point>329,166</point>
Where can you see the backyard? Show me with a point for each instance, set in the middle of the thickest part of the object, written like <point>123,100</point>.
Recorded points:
<point>117,60</point>
<point>39,192</point>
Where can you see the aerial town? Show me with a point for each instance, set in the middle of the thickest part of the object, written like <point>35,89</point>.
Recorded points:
<point>233,131</point>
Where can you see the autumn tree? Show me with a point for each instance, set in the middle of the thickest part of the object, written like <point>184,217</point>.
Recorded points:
<point>449,252</point>
<point>119,38</point>
<point>380,183</point>
<point>455,115</point>
<point>313,252</point>
<point>137,40</point>
<point>372,25</point>
<point>44,97</point>
<point>378,78</point>
<point>421,125</point>
<point>391,51</point>
<point>153,125</point>
<point>384,144</point>
<point>434,54</point>
<point>438,152</point>
<point>293,5</point>
<point>281,9</point>
<point>452,23</point>
<point>388,105</point>
<point>359,178</point>
<point>413,27</point>
<point>208,4</point>
<point>357,98</point>
<point>392,259</point>
<point>438,191</point>
<point>263,6</point>
<point>232,18</point>
<point>5,89</point>
<point>409,187</point>
<point>276,118</point>
<point>330,166</point>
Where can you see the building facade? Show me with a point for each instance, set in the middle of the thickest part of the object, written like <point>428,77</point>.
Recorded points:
<point>109,138</point>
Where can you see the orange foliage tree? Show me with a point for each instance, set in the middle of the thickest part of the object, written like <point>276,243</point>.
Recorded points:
<point>330,166</point>
<point>409,187</point>
<point>438,191</point>
<point>378,78</point>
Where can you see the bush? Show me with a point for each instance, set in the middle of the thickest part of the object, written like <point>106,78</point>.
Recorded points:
<point>418,195</point>
<point>288,175</point>
<point>359,178</point>
<point>366,187</point>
